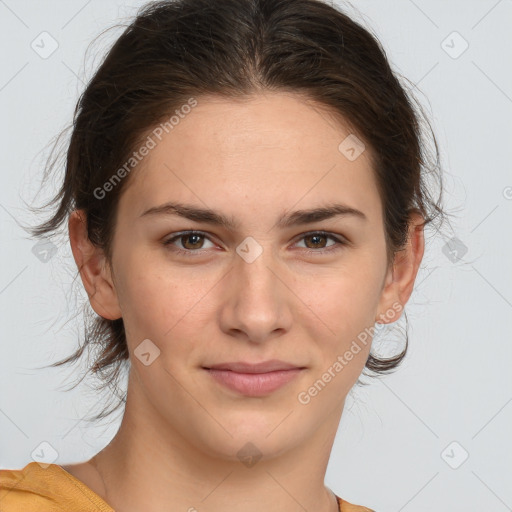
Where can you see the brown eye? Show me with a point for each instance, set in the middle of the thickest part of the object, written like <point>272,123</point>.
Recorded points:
<point>317,241</point>
<point>190,242</point>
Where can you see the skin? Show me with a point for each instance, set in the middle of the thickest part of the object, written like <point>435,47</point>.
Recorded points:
<point>181,431</point>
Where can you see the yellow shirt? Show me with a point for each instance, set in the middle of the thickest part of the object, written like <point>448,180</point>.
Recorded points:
<point>52,489</point>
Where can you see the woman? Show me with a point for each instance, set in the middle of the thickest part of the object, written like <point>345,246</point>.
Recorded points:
<point>245,194</point>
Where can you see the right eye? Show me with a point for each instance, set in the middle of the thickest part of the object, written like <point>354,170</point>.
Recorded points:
<point>186,238</point>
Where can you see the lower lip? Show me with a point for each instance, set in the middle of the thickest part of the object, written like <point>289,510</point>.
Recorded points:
<point>254,384</point>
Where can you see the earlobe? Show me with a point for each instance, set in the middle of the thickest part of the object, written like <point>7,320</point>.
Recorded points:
<point>401,277</point>
<point>93,267</point>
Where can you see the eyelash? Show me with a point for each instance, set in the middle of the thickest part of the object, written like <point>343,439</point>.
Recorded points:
<point>191,253</point>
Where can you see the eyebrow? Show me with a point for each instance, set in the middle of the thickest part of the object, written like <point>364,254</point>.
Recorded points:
<point>286,220</point>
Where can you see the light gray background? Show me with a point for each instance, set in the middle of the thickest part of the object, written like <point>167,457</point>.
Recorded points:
<point>456,383</point>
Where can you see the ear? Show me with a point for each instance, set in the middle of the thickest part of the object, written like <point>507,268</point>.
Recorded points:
<point>94,269</point>
<point>399,282</point>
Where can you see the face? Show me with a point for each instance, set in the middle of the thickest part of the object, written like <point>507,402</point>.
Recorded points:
<point>267,285</point>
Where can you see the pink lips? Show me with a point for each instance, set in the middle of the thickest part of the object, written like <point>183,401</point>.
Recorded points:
<point>254,379</point>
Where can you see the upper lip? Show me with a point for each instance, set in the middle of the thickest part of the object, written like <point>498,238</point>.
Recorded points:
<point>263,367</point>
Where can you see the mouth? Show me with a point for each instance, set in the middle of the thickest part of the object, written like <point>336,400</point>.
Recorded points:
<point>255,380</point>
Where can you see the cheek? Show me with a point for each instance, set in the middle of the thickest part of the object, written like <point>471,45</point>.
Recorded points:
<point>342,327</point>
<point>343,302</point>
<point>155,298</point>
<point>344,307</point>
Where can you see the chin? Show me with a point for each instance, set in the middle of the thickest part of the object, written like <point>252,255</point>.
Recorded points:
<point>255,433</point>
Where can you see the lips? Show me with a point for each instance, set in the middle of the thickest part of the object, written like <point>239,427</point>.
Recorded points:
<point>263,367</point>
<point>254,379</point>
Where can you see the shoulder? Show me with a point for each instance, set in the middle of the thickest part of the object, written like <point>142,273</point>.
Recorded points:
<point>42,487</point>
<point>345,506</point>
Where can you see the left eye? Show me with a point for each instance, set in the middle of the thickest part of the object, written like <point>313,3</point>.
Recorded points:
<point>319,235</point>
<point>192,241</point>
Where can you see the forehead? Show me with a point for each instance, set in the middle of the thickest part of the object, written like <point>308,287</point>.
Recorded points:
<point>267,153</point>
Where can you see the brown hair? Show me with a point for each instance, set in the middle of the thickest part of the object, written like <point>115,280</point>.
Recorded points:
<point>174,50</point>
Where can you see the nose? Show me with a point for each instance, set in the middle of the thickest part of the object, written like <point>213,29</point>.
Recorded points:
<point>257,304</point>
